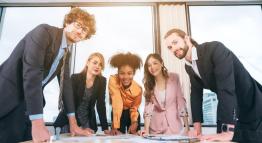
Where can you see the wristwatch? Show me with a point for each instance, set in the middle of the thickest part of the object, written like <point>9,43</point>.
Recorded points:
<point>227,128</point>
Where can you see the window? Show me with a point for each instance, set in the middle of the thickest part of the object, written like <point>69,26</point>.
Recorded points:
<point>119,29</point>
<point>238,27</point>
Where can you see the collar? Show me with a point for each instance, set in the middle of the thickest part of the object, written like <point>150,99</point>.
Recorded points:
<point>194,56</point>
<point>64,43</point>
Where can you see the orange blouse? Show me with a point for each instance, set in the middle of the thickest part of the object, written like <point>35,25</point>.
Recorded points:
<point>122,99</point>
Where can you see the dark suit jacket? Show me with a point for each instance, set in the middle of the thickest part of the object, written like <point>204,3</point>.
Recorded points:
<point>97,98</point>
<point>22,73</point>
<point>224,74</point>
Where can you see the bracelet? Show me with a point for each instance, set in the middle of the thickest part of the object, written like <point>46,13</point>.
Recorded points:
<point>133,122</point>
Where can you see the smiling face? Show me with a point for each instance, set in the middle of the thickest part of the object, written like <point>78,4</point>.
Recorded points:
<point>125,75</point>
<point>94,65</point>
<point>154,66</point>
<point>177,45</point>
<point>75,32</point>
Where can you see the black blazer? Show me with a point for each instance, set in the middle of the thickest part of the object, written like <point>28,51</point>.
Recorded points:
<point>22,73</point>
<point>224,74</point>
<point>97,98</point>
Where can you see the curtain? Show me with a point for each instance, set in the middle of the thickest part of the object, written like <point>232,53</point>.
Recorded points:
<point>174,16</point>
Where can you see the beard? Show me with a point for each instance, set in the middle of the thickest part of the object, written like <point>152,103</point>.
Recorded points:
<point>181,53</point>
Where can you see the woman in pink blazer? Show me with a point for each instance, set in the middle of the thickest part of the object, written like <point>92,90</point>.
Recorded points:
<point>165,104</point>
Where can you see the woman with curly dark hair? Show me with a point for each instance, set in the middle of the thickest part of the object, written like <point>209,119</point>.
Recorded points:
<point>165,103</point>
<point>125,93</point>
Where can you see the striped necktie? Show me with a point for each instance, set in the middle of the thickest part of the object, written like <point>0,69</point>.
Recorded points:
<point>60,101</point>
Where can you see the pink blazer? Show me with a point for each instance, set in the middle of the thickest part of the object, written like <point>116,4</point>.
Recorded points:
<point>166,120</point>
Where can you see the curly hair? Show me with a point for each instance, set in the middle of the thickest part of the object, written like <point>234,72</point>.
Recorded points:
<point>149,79</point>
<point>88,20</point>
<point>122,59</point>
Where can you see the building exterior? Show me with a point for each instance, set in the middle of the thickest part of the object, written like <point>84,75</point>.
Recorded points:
<point>209,107</point>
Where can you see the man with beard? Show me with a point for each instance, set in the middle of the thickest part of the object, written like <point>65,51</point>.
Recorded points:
<point>39,57</point>
<point>213,66</point>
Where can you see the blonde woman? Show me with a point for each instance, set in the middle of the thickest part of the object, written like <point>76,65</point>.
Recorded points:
<point>89,90</point>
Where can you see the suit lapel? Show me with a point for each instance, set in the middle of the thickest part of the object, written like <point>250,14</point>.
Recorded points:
<point>200,64</point>
<point>55,49</point>
<point>169,88</point>
<point>95,88</point>
<point>82,85</point>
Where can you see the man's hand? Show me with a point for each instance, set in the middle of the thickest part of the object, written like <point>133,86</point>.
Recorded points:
<point>115,132</point>
<point>225,136</point>
<point>133,127</point>
<point>75,130</point>
<point>39,131</point>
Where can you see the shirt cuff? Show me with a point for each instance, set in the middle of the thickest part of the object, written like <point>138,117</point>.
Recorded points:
<point>71,114</point>
<point>36,116</point>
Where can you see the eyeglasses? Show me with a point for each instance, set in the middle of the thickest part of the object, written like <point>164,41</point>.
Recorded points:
<point>80,26</point>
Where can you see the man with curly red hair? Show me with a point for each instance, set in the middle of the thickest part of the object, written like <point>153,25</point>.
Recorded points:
<point>40,56</point>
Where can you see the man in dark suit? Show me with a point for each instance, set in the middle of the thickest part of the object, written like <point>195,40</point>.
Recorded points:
<point>40,56</point>
<point>213,66</point>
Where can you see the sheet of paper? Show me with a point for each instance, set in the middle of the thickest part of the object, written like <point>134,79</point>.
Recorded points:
<point>126,138</point>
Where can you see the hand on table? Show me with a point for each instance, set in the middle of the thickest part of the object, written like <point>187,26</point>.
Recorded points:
<point>115,132</point>
<point>107,132</point>
<point>142,133</point>
<point>77,131</point>
<point>133,127</point>
<point>225,136</point>
<point>194,133</point>
<point>39,131</point>
<point>89,130</point>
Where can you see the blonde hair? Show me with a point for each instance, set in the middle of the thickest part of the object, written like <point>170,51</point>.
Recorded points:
<point>91,56</point>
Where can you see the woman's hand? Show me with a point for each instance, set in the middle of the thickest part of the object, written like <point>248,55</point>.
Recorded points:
<point>107,132</point>
<point>133,127</point>
<point>193,133</point>
<point>142,133</point>
<point>75,129</point>
<point>115,132</point>
<point>89,130</point>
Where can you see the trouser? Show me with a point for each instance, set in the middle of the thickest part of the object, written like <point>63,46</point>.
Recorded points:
<point>15,126</point>
<point>248,132</point>
<point>125,121</point>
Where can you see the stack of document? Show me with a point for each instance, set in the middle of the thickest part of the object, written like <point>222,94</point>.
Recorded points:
<point>171,138</point>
